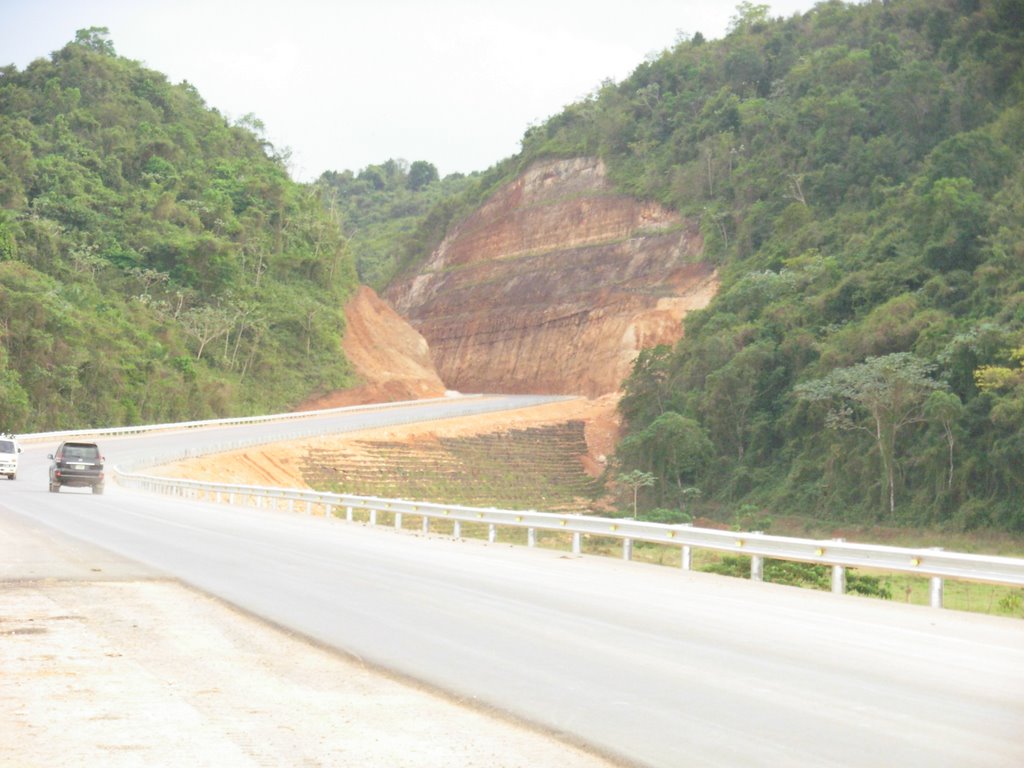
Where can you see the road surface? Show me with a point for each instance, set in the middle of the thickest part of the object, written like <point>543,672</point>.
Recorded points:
<point>650,665</point>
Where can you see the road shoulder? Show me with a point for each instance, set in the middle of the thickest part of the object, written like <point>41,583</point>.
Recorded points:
<point>128,669</point>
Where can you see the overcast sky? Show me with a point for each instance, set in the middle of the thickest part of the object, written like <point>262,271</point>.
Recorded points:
<point>349,83</point>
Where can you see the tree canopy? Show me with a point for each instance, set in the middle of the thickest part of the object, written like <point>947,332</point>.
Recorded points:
<point>392,212</point>
<point>156,262</point>
<point>856,171</point>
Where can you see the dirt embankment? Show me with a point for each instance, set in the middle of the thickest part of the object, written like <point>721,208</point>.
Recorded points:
<point>280,465</point>
<point>553,285</point>
<point>390,358</point>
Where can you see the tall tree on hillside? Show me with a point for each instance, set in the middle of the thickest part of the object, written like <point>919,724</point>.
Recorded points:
<point>421,174</point>
<point>96,39</point>
<point>882,396</point>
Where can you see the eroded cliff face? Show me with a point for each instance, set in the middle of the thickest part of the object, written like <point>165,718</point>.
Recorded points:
<point>555,285</point>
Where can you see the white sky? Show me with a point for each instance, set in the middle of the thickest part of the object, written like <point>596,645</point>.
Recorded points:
<point>349,83</point>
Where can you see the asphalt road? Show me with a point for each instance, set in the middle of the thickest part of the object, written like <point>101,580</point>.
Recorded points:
<point>652,665</point>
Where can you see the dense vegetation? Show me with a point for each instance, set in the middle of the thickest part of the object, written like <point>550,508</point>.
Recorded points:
<point>858,178</point>
<point>856,171</point>
<point>156,262</point>
<point>392,212</point>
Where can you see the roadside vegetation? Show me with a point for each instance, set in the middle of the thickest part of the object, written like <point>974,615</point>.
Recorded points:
<point>392,211</point>
<point>857,176</point>
<point>539,468</point>
<point>856,172</point>
<point>156,262</point>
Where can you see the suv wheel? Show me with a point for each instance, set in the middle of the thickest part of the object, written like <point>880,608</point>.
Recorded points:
<point>54,487</point>
<point>97,489</point>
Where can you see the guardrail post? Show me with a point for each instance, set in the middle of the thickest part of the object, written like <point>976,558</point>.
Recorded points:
<point>531,537</point>
<point>457,529</point>
<point>329,511</point>
<point>373,517</point>
<point>398,521</point>
<point>492,533</point>
<point>756,568</point>
<point>838,579</point>
<point>935,588</point>
<point>839,576</point>
<point>627,549</point>
<point>577,543</point>
<point>426,524</point>
<point>348,514</point>
<point>309,507</point>
<point>686,559</point>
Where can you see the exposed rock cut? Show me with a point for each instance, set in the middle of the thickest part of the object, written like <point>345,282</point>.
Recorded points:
<point>389,356</point>
<point>554,285</point>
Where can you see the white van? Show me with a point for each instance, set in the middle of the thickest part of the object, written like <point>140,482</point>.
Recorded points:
<point>9,450</point>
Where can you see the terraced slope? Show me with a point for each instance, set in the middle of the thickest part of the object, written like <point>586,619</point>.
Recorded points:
<point>538,467</point>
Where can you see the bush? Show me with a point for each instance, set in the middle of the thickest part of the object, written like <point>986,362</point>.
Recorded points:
<point>666,516</point>
<point>870,586</point>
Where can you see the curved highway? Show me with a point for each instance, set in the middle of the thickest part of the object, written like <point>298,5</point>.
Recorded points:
<point>650,665</point>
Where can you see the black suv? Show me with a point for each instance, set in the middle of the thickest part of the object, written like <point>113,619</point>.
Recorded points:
<point>77,465</point>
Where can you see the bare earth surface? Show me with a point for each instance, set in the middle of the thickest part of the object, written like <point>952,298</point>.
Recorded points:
<point>103,663</point>
<point>278,465</point>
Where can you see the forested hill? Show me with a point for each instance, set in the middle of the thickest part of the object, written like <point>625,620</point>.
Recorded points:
<point>156,262</point>
<point>857,173</point>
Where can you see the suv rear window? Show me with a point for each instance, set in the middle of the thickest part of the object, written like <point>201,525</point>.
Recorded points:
<point>80,451</point>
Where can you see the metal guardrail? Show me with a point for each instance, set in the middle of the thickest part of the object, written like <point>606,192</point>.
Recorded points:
<point>181,425</point>
<point>935,564</point>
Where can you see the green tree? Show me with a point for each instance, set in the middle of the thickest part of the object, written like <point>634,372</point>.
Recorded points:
<point>96,39</point>
<point>749,16</point>
<point>945,409</point>
<point>951,220</point>
<point>14,401</point>
<point>127,204</point>
<point>881,396</point>
<point>676,449</point>
<point>635,480</point>
<point>731,394</point>
<point>646,392</point>
<point>421,174</point>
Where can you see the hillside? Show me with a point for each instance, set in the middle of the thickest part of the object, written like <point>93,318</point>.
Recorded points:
<point>554,285</point>
<point>858,172</point>
<point>846,183</point>
<point>384,207</point>
<point>156,262</point>
<point>854,174</point>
